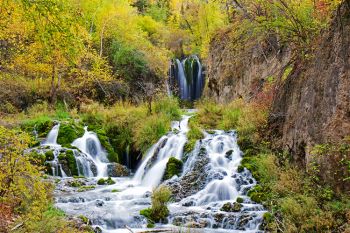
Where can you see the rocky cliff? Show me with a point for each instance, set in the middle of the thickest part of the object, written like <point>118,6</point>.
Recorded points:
<point>313,104</point>
<point>239,71</point>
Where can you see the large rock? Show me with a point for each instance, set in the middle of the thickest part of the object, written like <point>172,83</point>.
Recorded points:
<point>117,170</point>
<point>313,104</point>
<point>194,180</point>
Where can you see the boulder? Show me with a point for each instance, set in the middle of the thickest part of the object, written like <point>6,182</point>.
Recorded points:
<point>117,170</point>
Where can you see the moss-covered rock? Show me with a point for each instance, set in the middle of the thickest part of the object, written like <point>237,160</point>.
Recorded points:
<point>86,188</point>
<point>41,125</point>
<point>239,200</point>
<point>68,162</point>
<point>117,170</point>
<point>173,167</point>
<point>101,181</point>
<point>49,156</point>
<point>258,194</point>
<point>107,181</point>
<point>105,142</point>
<point>76,183</point>
<point>48,168</point>
<point>231,207</point>
<point>68,132</point>
<point>240,168</point>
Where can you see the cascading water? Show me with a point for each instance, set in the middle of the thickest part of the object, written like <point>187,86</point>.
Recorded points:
<point>209,180</point>
<point>166,147</point>
<point>91,146</point>
<point>90,157</point>
<point>221,184</point>
<point>51,139</point>
<point>186,78</point>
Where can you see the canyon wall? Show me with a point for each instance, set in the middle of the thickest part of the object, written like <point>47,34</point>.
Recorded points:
<point>311,104</point>
<point>236,71</point>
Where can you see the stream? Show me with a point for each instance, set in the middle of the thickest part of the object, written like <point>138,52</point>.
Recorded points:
<point>208,181</point>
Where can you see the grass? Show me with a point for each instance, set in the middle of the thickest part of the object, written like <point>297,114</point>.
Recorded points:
<point>194,134</point>
<point>289,193</point>
<point>121,127</point>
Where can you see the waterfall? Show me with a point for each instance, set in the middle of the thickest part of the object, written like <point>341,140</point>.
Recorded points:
<point>51,139</point>
<point>220,184</point>
<point>209,181</point>
<point>168,146</point>
<point>91,146</point>
<point>186,78</point>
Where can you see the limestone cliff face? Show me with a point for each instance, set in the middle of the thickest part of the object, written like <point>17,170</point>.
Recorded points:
<point>235,71</point>
<point>313,105</point>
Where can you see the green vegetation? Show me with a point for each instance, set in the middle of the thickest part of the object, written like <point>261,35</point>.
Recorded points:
<point>105,51</point>
<point>297,200</point>
<point>36,158</point>
<point>107,181</point>
<point>86,188</point>
<point>67,133</point>
<point>68,159</point>
<point>49,155</point>
<point>173,167</point>
<point>290,193</point>
<point>159,210</point>
<point>103,63</point>
<point>120,128</point>
<point>25,198</point>
<point>193,135</point>
<point>231,207</point>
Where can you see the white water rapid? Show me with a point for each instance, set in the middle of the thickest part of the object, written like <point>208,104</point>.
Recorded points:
<point>208,181</point>
<point>158,156</point>
<point>91,146</point>
<point>51,139</point>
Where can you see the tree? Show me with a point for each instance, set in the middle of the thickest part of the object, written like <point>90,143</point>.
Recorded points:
<point>21,187</point>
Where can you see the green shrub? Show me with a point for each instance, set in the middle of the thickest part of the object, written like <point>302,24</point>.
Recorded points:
<point>37,158</point>
<point>49,155</point>
<point>42,125</point>
<point>209,114</point>
<point>168,106</point>
<point>159,210</point>
<point>173,167</point>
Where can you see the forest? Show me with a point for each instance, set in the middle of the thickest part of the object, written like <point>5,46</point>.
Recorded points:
<point>174,116</point>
